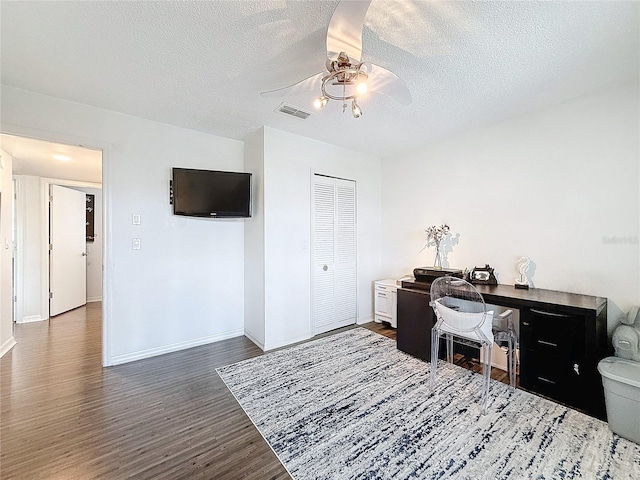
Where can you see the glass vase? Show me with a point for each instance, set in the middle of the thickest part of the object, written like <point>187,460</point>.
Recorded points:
<point>437,262</point>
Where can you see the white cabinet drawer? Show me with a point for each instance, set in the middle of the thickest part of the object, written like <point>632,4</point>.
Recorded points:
<point>385,295</point>
<point>385,288</point>
<point>384,303</point>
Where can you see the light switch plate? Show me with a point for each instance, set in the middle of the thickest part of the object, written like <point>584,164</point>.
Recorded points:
<point>135,218</point>
<point>136,244</point>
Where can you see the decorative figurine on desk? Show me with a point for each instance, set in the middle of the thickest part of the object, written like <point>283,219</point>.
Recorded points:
<point>435,235</point>
<point>523,265</point>
<point>483,275</point>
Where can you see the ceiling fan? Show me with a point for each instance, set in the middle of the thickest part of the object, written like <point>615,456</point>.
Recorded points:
<point>346,76</point>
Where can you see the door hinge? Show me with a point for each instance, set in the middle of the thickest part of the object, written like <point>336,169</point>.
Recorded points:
<point>50,198</point>
<point>50,247</point>
<point>50,295</point>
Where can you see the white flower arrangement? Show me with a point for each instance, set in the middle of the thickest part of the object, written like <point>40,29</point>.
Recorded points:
<point>435,235</point>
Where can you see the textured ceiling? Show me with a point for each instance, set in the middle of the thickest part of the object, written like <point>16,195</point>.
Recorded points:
<point>202,65</point>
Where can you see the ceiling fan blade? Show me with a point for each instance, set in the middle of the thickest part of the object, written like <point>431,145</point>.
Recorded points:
<point>388,83</point>
<point>345,29</point>
<point>314,82</point>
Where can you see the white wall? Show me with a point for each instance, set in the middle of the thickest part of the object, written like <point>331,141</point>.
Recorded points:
<point>6,322</point>
<point>289,162</point>
<point>31,234</point>
<point>185,286</point>
<point>254,254</point>
<point>556,186</point>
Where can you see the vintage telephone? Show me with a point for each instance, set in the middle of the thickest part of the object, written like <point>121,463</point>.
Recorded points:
<point>626,337</point>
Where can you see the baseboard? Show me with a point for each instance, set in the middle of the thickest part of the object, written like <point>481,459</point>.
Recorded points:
<point>31,318</point>
<point>363,320</point>
<point>94,299</point>
<point>6,346</point>
<point>154,352</point>
<point>287,342</point>
<point>253,338</point>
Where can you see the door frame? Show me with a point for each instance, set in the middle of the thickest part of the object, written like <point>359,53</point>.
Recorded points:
<point>107,245</point>
<point>45,267</point>
<point>43,243</point>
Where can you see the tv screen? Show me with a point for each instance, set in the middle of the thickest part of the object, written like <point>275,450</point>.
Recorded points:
<point>209,193</point>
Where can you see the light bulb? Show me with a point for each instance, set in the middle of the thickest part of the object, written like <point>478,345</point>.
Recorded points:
<point>361,88</point>
<point>320,102</point>
<point>355,109</point>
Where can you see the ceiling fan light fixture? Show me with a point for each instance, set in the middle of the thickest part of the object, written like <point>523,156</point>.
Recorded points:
<point>355,109</point>
<point>320,102</point>
<point>346,76</point>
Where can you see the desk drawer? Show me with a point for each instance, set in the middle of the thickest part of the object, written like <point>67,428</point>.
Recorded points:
<point>553,334</point>
<point>552,330</point>
<point>552,348</point>
<point>555,377</point>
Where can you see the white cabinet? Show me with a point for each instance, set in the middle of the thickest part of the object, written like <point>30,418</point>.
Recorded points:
<point>385,292</point>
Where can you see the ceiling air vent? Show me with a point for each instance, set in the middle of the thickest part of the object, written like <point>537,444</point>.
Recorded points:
<point>292,111</point>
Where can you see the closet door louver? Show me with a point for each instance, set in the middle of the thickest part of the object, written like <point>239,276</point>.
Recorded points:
<point>334,253</point>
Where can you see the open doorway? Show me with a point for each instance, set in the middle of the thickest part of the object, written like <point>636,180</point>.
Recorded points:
<point>39,167</point>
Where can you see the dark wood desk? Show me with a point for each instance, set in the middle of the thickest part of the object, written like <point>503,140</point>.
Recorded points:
<point>563,336</point>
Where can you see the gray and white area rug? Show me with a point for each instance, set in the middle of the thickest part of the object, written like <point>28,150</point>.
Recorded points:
<point>352,406</point>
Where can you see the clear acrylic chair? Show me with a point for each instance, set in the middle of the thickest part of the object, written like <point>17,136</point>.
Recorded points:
<point>461,314</point>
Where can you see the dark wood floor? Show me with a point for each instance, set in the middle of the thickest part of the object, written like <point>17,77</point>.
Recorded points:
<point>63,416</point>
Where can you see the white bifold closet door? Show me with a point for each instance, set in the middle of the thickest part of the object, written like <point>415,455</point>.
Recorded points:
<point>334,253</point>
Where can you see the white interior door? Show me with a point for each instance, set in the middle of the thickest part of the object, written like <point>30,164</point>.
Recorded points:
<point>67,254</point>
<point>334,253</point>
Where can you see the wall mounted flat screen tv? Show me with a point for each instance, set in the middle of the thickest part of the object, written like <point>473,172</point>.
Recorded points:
<point>209,193</point>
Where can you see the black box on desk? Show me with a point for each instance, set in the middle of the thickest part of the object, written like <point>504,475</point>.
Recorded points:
<point>429,274</point>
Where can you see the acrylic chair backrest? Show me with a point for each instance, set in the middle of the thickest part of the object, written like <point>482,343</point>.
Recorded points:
<point>461,309</point>
<point>471,325</point>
